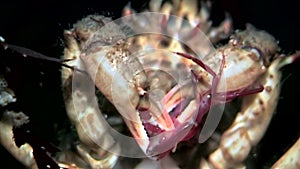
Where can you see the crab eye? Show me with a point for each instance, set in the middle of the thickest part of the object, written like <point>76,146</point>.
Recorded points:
<point>254,50</point>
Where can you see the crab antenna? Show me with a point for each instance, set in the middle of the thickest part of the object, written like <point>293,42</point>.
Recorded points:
<point>28,52</point>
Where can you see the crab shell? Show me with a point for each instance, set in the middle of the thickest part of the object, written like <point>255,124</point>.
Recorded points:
<point>114,68</point>
<point>107,56</point>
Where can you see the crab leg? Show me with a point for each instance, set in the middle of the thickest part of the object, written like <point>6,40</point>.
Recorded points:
<point>88,124</point>
<point>251,123</point>
<point>24,154</point>
<point>8,121</point>
<point>290,159</point>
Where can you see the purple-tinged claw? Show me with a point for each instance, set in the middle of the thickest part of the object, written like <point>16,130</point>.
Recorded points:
<point>168,140</point>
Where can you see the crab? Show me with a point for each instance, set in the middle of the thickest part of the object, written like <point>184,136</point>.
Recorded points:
<point>90,127</point>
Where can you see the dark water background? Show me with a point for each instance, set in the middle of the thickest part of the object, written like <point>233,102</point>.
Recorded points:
<point>39,25</point>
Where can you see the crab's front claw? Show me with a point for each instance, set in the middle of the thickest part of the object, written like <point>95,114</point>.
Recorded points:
<point>167,121</point>
<point>161,144</point>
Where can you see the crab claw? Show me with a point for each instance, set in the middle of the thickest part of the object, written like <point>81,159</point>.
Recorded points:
<point>167,121</point>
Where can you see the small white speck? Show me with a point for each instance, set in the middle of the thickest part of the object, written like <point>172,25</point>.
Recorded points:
<point>2,39</point>
<point>105,116</point>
